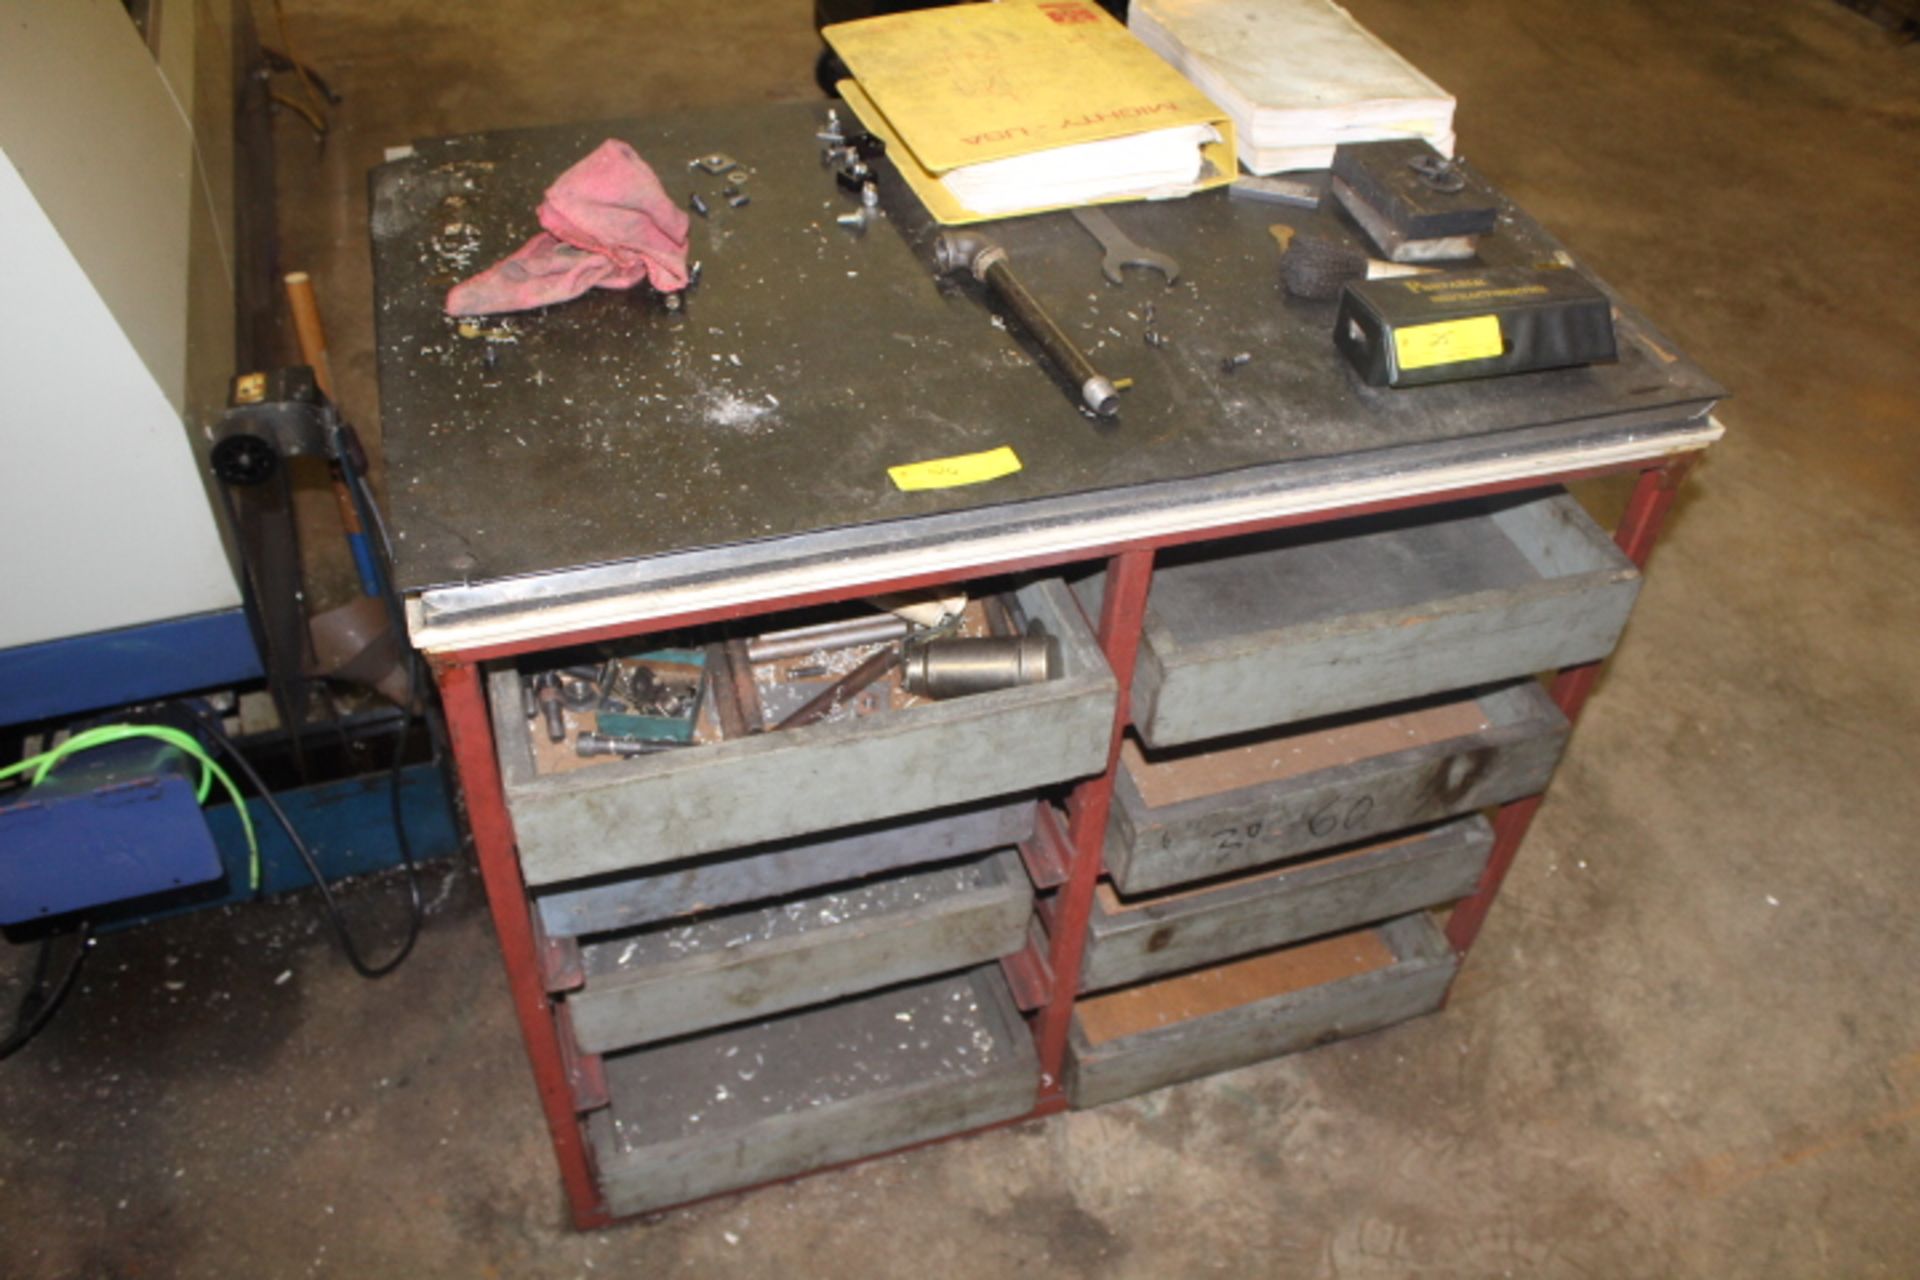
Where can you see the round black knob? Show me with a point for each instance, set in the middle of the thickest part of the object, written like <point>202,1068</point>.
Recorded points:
<point>243,459</point>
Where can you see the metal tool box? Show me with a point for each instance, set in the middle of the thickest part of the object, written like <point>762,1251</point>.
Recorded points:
<point>670,979</point>
<point>1159,1033</point>
<point>727,879</point>
<point>770,786</point>
<point>1130,940</point>
<point>1299,623</point>
<point>747,1104</point>
<point>1224,809</point>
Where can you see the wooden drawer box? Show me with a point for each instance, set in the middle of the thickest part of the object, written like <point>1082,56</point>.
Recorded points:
<point>780,870</point>
<point>772,1099</point>
<point>672,979</point>
<point>1130,941</point>
<point>1198,814</point>
<point>1139,1038</point>
<point>1300,623</point>
<point>771,786</point>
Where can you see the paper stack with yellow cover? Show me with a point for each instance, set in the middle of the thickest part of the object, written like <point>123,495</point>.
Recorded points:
<point>993,110</point>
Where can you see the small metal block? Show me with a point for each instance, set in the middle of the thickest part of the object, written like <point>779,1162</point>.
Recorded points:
<point>716,162</point>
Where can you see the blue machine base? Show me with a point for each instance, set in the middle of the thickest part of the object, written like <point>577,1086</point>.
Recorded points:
<point>70,850</point>
<point>348,825</point>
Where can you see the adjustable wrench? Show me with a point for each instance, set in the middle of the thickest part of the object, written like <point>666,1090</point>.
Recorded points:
<point>1122,249</point>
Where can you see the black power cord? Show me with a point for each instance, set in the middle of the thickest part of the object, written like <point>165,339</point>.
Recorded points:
<point>38,1005</point>
<point>346,451</point>
<point>416,905</point>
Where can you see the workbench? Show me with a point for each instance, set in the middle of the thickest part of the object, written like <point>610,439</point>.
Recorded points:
<point>612,468</point>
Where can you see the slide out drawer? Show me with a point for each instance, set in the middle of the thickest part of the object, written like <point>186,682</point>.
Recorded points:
<point>1197,814</point>
<point>1128,941</point>
<point>772,1099</point>
<point>1315,621</point>
<point>1145,1037</point>
<point>736,877</point>
<point>671,979</point>
<point>772,786</point>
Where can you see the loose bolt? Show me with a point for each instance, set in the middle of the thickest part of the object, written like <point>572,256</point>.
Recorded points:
<point>1233,362</point>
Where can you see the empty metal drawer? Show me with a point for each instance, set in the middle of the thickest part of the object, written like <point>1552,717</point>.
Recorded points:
<point>773,1099</point>
<point>671,979</point>
<point>1128,941</point>
<point>1194,815</point>
<point>772,786</point>
<point>1299,623</point>
<point>779,870</point>
<point>1139,1038</point>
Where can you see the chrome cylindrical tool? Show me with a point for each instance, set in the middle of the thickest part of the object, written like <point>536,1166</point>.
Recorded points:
<point>848,633</point>
<point>957,667</point>
<point>596,744</point>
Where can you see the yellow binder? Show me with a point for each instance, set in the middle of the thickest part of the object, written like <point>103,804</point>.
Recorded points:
<point>974,83</point>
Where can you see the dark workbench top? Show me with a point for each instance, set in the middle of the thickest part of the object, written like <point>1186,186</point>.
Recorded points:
<point>811,358</point>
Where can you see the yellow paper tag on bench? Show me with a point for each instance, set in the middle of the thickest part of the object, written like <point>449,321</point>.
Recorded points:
<point>951,473</point>
<point>1422,346</point>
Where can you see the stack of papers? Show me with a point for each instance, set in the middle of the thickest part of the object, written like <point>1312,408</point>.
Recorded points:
<point>991,110</point>
<point>1158,164</point>
<point>1299,77</point>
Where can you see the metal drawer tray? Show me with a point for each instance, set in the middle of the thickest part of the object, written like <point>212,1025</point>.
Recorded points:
<point>1199,814</point>
<point>773,1099</point>
<point>772,786</point>
<point>737,877</point>
<point>668,980</point>
<point>1146,1037</point>
<point>1131,941</point>
<point>1315,621</point>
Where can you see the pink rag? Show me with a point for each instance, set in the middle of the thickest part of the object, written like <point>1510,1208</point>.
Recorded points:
<point>609,225</point>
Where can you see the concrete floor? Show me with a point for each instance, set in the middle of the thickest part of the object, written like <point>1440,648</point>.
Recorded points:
<point>1688,1044</point>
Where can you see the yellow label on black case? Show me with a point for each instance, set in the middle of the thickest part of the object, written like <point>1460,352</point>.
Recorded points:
<point>1422,346</point>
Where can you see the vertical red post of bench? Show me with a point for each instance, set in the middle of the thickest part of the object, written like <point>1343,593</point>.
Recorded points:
<point>1639,529</point>
<point>470,732</point>
<point>1123,608</point>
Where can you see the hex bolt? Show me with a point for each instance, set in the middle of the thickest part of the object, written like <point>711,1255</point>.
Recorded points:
<point>546,693</point>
